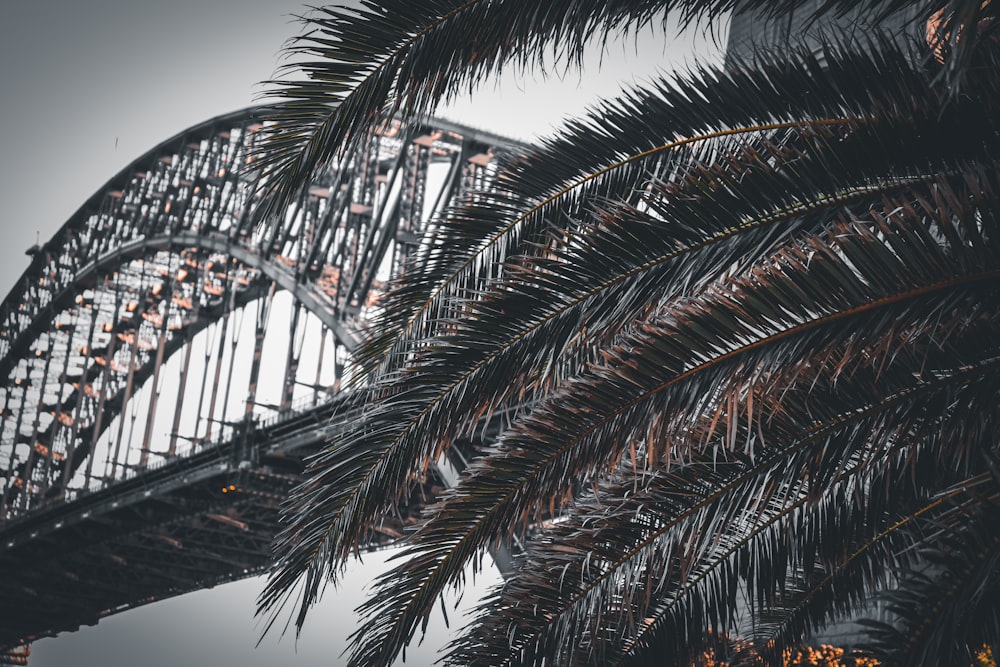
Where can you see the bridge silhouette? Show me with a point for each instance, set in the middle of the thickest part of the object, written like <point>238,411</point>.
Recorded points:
<point>156,406</point>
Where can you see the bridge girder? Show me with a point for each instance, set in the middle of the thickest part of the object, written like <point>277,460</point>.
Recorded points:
<point>167,253</point>
<point>169,247</point>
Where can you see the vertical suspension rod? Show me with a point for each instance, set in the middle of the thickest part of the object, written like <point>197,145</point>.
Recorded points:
<point>234,341</point>
<point>204,379</point>
<point>319,363</point>
<point>220,355</point>
<point>81,400</point>
<point>126,398</point>
<point>291,359</point>
<point>263,314</point>
<point>154,388</point>
<point>186,364</point>
<point>45,463</point>
<point>10,464</point>
<point>105,381</point>
<point>68,429</point>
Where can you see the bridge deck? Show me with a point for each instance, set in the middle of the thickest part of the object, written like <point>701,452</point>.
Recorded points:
<point>124,360</point>
<point>187,524</point>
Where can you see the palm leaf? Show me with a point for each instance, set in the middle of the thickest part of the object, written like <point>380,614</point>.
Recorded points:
<point>584,427</point>
<point>946,608</point>
<point>634,304</point>
<point>576,553</point>
<point>613,153</point>
<point>362,65</point>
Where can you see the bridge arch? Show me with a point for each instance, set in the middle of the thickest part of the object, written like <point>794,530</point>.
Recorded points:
<point>131,472</point>
<point>167,251</point>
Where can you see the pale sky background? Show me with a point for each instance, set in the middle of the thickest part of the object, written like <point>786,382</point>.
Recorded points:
<point>86,86</point>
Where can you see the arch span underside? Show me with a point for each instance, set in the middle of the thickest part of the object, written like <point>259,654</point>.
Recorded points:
<point>166,360</point>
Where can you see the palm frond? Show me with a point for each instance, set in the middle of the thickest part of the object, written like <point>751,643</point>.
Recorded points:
<point>809,601</point>
<point>615,152</point>
<point>586,425</point>
<point>361,65</point>
<point>327,500</point>
<point>704,499</point>
<point>945,606</point>
<point>641,308</point>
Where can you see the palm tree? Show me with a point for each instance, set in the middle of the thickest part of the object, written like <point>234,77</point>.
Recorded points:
<point>738,333</point>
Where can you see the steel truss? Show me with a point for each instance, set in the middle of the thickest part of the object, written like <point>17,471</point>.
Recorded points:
<point>131,467</point>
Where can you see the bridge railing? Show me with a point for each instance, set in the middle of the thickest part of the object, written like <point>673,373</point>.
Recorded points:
<point>224,437</point>
<point>295,407</point>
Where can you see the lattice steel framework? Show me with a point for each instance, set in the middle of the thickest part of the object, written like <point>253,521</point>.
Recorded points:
<point>133,349</point>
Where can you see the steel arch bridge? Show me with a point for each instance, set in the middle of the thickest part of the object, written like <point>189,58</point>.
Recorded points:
<point>152,420</point>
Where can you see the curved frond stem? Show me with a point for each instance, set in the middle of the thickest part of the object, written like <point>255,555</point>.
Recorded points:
<point>392,450</point>
<point>833,200</point>
<point>924,290</point>
<point>433,583</point>
<point>985,555</point>
<point>538,207</point>
<point>807,596</point>
<point>748,538</point>
<point>778,459</point>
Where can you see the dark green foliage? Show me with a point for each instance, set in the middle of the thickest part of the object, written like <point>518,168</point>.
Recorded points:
<point>363,64</point>
<point>740,331</point>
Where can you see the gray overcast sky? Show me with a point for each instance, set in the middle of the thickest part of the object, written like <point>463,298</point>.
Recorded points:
<point>86,86</point>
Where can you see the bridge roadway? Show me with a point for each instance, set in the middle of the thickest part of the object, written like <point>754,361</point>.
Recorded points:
<point>147,312</point>
<point>188,523</point>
